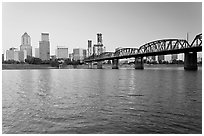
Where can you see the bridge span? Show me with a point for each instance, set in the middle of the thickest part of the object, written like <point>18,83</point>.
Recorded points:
<point>158,47</point>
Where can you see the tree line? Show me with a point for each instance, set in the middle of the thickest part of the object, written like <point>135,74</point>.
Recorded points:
<point>38,61</point>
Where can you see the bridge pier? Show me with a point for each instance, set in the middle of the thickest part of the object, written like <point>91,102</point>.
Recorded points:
<point>139,63</point>
<point>115,63</point>
<point>190,61</point>
<point>90,65</point>
<point>99,65</point>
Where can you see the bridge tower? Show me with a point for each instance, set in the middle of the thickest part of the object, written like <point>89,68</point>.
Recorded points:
<point>115,63</point>
<point>139,64</point>
<point>190,61</point>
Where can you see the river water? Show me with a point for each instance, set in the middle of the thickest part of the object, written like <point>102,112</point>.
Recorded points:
<point>154,100</point>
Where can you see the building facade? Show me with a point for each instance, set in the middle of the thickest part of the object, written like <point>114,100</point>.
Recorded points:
<point>15,54</point>
<point>2,57</point>
<point>174,56</point>
<point>84,53</point>
<point>89,51</point>
<point>44,47</point>
<point>10,54</point>
<point>160,58</point>
<point>26,44</point>
<point>78,54</point>
<point>62,52</point>
<point>37,53</point>
<point>71,56</point>
<point>98,48</point>
<point>22,55</point>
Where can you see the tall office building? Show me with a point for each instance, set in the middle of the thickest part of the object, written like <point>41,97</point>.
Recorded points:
<point>99,38</point>
<point>62,52</point>
<point>44,47</point>
<point>26,44</point>
<point>89,48</point>
<point>22,55</point>
<point>16,55</point>
<point>98,48</point>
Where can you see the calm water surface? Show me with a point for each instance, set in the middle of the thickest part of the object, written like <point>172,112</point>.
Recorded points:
<point>154,100</point>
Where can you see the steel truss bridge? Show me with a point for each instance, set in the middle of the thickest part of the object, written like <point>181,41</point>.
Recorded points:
<point>158,47</point>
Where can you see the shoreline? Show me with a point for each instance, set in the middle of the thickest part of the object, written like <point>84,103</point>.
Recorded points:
<point>105,66</point>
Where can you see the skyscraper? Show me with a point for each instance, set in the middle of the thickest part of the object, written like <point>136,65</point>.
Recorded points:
<point>89,48</point>
<point>98,48</point>
<point>26,44</point>
<point>44,47</point>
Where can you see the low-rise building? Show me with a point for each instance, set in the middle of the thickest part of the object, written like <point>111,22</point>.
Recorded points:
<point>15,54</point>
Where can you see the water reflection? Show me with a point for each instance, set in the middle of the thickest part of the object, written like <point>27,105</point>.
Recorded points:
<point>102,101</point>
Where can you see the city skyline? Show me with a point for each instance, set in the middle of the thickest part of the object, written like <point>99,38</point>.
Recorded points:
<point>122,24</point>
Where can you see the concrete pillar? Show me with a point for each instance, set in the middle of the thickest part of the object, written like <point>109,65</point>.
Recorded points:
<point>115,63</point>
<point>139,63</point>
<point>90,65</point>
<point>99,65</point>
<point>190,61</point>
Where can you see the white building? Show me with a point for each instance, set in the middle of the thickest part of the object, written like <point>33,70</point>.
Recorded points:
<point>78,54</point>
<point>61,52</point>
<point>71,56</point>
<point>10,54</point>
<point>26,44</point>
<point>37,52</point>
<point>174,56</point>
<point>14,54</point>
<point>22,55</point>
<point>44,47</point>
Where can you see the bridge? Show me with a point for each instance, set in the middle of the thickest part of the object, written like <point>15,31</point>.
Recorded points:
<point>158,47</point>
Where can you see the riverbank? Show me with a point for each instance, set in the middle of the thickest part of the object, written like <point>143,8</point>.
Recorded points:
<point>44,66</point>
<point>105,66</point>
<point>25,66</point>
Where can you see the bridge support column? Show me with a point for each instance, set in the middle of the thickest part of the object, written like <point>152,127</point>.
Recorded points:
<point>99,65</point>
<point>139,63</point>
<point>190,61</point>
<point>90,65</point>
<point>115,63</point>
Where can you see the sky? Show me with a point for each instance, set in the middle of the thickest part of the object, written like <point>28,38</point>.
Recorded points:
<point>122,24</point>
